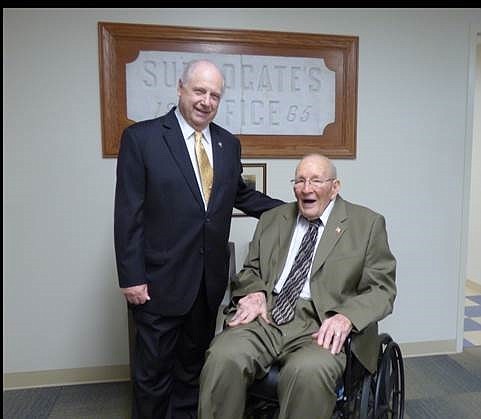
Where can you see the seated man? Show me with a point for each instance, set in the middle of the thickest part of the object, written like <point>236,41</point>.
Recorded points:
<point>297,309</point>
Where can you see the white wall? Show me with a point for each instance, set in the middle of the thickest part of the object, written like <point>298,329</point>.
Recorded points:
<point>62,307</point>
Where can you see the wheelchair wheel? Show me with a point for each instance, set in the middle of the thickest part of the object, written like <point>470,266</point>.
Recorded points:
<point>389,384</point>
<point>360,405</point>
<point>365,406</point>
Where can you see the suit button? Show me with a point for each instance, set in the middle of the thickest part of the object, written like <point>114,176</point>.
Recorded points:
<point>207,220</point>
<point>201,250</point>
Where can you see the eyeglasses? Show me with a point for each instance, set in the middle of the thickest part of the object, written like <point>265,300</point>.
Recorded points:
<point>315,183</point>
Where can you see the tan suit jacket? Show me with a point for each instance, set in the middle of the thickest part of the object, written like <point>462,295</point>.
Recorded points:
<point>353,271</point>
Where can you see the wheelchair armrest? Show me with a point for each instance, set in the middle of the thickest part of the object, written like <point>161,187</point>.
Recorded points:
<point>349,361</point>
<point>230,308</point>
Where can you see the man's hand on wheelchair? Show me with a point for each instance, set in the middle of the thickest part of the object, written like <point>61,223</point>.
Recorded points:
<point>333,332</point>
<point>249,308</point>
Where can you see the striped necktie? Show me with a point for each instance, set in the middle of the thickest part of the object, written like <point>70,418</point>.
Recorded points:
<point>283,310</point>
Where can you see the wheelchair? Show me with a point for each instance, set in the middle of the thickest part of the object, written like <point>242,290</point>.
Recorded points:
<point>360,395</point>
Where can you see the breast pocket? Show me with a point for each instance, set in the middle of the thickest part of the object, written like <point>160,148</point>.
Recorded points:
<point>344,272</point>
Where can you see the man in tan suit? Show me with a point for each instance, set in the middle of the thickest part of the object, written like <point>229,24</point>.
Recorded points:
<point>351,286</point>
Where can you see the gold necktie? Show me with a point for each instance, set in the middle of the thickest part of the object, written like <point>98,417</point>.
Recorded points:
<point>205,169</point>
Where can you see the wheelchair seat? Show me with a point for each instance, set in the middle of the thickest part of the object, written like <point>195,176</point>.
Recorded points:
<point>360,394</point>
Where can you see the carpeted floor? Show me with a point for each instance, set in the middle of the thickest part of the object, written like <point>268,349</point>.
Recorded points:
<point>444,386</point>
<point>87,401</point>
<point>437,387</point>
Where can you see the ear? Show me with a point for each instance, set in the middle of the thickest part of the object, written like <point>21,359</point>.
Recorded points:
<point>180,85</point>
<point>336,187</point>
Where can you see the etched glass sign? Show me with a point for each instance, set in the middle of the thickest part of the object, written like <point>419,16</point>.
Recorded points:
<point>264,95</point>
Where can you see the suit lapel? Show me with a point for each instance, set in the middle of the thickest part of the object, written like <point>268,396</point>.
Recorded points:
<point>173,137</point>
<point>219,161</point>
<point>335,228</point>
<point>286,230</point>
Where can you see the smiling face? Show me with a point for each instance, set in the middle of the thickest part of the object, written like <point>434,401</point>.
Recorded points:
<point>200,91</point>
<point>316,185</point>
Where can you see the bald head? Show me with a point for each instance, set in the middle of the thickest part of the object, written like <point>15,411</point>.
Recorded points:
<point>324,164</point>
<point>315,185</point>
<point>196,67</point>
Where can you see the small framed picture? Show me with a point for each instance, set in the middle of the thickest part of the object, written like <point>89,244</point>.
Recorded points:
<point>254,175</point>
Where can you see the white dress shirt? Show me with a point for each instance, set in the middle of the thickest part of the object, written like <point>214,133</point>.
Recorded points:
<point>188,133</point>
<point>301,229</point>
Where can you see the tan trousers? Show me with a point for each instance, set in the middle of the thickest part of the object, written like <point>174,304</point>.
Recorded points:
<point>308,377</point>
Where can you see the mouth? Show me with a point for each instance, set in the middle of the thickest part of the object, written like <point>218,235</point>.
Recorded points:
<point>308,202</point>
<point>202,112</point>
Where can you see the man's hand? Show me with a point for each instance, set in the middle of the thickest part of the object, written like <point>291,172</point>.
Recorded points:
<point>137,294</point>
<point>249,308</point>
<point>333,332</point>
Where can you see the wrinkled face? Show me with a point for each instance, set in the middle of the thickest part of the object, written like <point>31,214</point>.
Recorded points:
<point>315,186</point>
<point>199,96</point>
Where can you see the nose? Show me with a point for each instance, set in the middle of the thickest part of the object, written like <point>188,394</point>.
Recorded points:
<point>307,184</point>
<point>206,99</point>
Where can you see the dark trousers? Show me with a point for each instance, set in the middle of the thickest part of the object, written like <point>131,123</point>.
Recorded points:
<point>168,357</point>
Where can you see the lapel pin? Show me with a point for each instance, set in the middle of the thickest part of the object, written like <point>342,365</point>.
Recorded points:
<point>338,230</point>
<point>220,144</point>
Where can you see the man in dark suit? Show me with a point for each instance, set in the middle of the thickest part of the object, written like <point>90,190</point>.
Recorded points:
<point>347,286</point>
<point>171,239</point>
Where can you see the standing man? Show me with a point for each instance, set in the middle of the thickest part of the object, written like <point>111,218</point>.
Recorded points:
<point>317,269</point>
<point>178,179</point>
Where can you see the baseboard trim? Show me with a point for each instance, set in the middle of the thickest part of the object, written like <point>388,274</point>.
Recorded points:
<point>437,347</point>
<point>65,377</point>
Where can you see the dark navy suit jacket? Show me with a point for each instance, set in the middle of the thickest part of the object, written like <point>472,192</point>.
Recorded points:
<point>164,236</point>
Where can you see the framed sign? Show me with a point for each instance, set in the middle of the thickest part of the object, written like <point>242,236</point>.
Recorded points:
<point>254,175</point>
<point>286,94</point>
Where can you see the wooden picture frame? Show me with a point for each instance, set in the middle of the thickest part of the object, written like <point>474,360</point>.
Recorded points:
<point>121,43</point>
<point>253,174</point>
